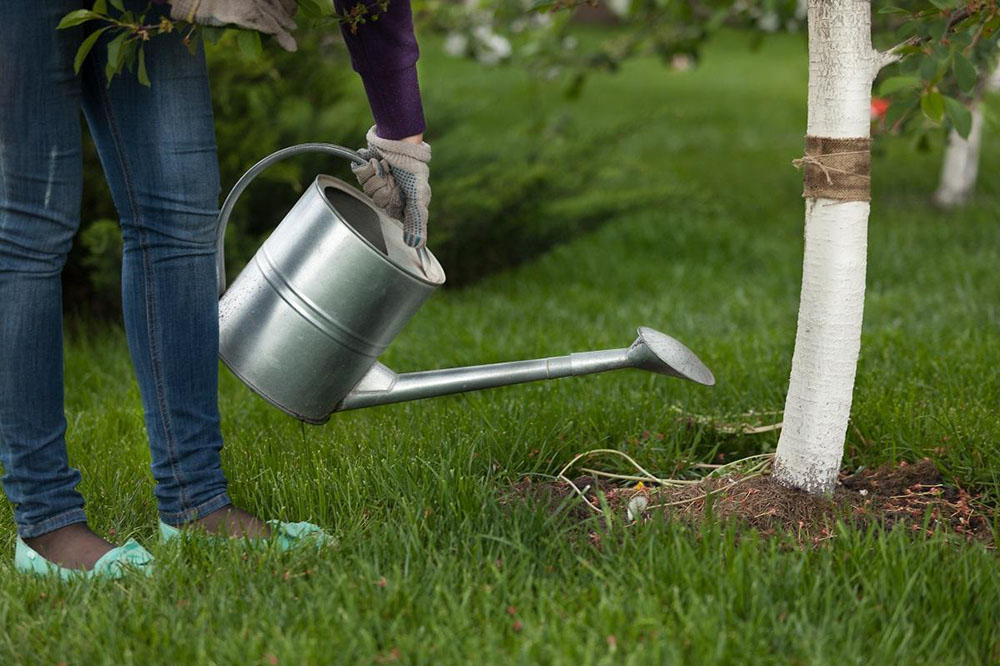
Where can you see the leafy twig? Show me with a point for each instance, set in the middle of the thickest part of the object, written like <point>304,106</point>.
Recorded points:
<point>134,28</point>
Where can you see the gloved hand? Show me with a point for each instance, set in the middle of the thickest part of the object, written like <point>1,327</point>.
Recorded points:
<point>272,17</point>
<point>396,177</point>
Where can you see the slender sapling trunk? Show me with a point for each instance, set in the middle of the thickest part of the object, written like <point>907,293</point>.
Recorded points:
<point>842,66</point>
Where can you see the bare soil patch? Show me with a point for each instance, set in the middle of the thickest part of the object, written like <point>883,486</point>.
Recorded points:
<point>909,495</point>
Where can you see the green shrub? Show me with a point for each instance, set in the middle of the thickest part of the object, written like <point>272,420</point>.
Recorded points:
<point>494,208</point>
<point>502,192</point>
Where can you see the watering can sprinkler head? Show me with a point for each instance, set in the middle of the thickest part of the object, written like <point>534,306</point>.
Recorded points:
<point>660,353</point>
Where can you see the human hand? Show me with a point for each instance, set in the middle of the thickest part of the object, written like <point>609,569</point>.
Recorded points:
<point>272,17</point>
<point>397,178</point>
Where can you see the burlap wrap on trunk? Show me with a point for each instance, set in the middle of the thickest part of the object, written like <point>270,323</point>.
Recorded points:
<point>836,168</point>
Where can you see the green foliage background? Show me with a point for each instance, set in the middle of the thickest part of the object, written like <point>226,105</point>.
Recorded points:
<point>495,203</point>
<point>499,202</point>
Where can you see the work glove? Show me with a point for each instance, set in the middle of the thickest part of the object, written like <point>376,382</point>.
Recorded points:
<point>397,178</point>
<point>272,17</point>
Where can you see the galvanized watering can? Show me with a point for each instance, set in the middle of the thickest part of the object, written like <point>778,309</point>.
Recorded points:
<point>305,322</point>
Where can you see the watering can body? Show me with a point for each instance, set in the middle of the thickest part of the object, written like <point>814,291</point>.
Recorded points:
<point>306,320</point>
<point>321,299</point>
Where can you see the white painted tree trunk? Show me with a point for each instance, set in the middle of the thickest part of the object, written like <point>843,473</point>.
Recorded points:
<point>960,167</point>
<point>842,66</point>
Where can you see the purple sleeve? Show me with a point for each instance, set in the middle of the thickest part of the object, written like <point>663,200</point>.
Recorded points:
<point>384,53</point>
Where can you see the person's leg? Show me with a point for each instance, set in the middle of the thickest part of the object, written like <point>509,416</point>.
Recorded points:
<point>40,187</point>
<point>157,146</point>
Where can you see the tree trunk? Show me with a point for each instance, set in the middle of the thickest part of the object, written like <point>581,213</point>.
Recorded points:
<point>960,167</point>
<point>842,65</point>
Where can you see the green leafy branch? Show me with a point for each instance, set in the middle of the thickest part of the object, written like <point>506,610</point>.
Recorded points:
<point>135,28</point>
<point>949,50</point>
<point>125,50</point>
<point>322,13</point>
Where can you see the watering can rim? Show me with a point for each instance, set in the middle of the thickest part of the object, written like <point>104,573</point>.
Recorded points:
<point>284,153</point>
<point>435,267</point>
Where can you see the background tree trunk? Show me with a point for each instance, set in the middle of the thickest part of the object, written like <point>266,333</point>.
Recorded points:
<point>842,65</point>
<point>960,167</point>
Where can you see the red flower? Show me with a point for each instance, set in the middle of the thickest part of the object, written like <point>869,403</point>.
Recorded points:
<point>879,107</point>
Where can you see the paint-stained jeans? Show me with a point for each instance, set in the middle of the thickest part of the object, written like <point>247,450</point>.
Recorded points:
<point>157,147</point>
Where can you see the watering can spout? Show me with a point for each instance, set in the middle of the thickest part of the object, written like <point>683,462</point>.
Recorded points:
<point>333,285</point>
<point>652,351</point>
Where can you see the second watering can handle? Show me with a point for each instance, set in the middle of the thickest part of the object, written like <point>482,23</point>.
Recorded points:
<point>244,181</point>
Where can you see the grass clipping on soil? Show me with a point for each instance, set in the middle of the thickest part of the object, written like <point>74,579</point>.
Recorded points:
<point>912,496</point>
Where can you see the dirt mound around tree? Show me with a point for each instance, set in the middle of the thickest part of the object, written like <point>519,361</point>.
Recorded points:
<point>909,495</point>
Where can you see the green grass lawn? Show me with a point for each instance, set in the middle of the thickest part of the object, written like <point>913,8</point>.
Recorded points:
<point>434,569</point>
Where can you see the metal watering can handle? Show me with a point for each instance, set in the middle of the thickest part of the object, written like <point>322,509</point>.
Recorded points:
<point>253,172</point>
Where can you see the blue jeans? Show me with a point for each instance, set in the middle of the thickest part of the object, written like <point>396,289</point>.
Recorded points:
<point>157,147</point>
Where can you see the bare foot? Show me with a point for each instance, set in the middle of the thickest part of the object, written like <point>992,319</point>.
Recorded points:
<point>232,522</point>
<point>73,546</point>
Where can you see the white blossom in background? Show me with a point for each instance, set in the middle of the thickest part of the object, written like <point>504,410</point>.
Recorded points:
<point>478,34</point>
<point>768,19</point>
<point>531,21</point>
<point>619,8</point>
<point>681,62</point>
<point>456,44</point>
<point>769,22</point>
<point>490,48</point>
